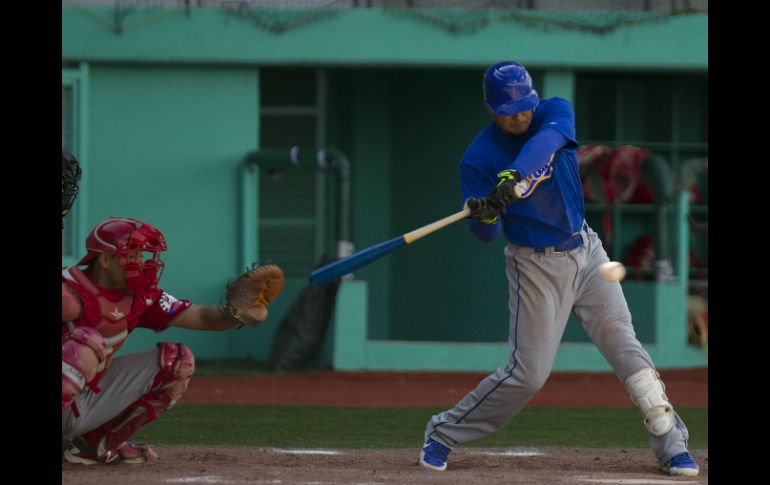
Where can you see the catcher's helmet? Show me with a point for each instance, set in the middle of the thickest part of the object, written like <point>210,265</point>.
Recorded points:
<point>70,175</point>
<point>508,89</point>
<point>129,238</point>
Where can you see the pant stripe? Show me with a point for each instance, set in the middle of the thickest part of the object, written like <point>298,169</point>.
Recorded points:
<point>513,353</point>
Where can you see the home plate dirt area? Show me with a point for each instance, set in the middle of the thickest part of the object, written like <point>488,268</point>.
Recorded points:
<point>242,466</point>
<point>554,466</point>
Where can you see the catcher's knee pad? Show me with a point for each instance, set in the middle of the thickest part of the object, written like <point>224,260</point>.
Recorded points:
<point>82,352</point>
<point>648,393</point>
<point>177,365</point>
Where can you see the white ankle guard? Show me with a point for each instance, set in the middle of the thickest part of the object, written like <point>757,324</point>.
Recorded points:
<point>646,390</point>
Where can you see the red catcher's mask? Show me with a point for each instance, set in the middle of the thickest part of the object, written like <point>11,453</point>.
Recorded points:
<point>137,245</point>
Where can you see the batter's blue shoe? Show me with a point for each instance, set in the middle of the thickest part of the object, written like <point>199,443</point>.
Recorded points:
<point>433,455</point>
<point>681,465</point>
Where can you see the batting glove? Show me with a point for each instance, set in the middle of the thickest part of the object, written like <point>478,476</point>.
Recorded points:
<point>505,191</point>
<point>484,209</point>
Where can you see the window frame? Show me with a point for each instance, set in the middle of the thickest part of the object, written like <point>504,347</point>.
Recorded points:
<point>78,79</point>
<point>318,221</point>
<point>674,149</point>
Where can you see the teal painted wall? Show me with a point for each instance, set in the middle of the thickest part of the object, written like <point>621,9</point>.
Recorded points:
<point>166,143</point>
<point>374,36</point>
<point>363,130</point>
<point>174,107</point>
<point>404,146</point>
<point>438,114</point>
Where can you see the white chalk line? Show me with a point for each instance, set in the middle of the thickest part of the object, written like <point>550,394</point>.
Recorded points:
<point>509,453</point>
<point>291,451</point>
<point>203,479</point>
<point>217,479</point>
<point>305,452</point>
<point>635,481</point>
<point>214,479</point>
<point>335,483</point>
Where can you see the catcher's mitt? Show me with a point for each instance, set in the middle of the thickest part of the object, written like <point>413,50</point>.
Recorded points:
<point>247,297</point>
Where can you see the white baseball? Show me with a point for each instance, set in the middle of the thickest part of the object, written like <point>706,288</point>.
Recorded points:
<point>613,271</point>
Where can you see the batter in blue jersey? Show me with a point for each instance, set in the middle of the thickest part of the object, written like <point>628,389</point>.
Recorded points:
<point>540,146</point>
<point>520,176</point>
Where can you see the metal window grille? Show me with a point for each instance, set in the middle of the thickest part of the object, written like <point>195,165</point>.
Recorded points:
<point>291,203</point>
<point>68,137</point>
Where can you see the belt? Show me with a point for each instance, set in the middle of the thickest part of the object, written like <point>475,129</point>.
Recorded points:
<point>574,242</point>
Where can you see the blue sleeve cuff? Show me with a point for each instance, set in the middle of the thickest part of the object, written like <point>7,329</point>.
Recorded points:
<point>485,232</point>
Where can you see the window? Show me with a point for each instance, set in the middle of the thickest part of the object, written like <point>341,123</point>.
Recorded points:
<point>292,202</point>
<point>73,126</point>
<point>665,113</point>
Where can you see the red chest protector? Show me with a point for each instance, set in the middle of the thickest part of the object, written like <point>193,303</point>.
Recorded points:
<point>110,318</point>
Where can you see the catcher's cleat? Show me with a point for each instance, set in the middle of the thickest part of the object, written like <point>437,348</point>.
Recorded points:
<point>126,452</point>
<point>65,445</point>
<point>433,455</point>
<point>137,452</point>
<point>681,465</point>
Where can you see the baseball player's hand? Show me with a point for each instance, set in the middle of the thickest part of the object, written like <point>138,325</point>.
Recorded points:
<point>506,191</point>
<point>483,209</point>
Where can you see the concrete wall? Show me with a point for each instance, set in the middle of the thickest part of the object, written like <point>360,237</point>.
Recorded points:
<point>173,106</point>
<point>375,37</point>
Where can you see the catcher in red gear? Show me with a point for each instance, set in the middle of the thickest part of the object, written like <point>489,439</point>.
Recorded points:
<point>105,400</point>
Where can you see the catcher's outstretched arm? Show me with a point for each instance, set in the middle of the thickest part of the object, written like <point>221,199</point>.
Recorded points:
<point>206,317</point>
<point>246,301</point>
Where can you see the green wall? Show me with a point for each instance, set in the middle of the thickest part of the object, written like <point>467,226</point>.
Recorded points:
<point>174,106</point>
<point>166,142</point>
<point>404,145</point>
<point>363,130</point>
<point>375,36</point>
<point>437,114</point>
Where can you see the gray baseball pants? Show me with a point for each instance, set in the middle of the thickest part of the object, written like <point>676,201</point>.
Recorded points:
<point>543,289</point>
<point>127,379</point>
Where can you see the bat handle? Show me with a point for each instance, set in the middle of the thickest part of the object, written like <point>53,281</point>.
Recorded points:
<point>410,237</point>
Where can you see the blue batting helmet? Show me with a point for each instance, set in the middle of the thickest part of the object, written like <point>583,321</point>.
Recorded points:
<point>508,89</point>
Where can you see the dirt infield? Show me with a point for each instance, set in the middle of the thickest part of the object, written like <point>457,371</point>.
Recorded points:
<point>237,466</point>
<point>240,466</point>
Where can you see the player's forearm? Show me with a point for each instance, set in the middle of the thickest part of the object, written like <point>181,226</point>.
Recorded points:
<point>537,151</point>
<point>208,317</point>
<point>217,319</point>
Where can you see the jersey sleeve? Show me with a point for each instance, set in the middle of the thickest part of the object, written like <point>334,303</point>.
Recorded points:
<point>556,130</point>
<point>560,116</point>
<point>485,232</point>
<point>163,310</point>
<point>474,183</point>
<point>538,151</point>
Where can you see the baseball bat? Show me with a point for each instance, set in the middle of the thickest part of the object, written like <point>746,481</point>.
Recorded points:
<point>365,256</point>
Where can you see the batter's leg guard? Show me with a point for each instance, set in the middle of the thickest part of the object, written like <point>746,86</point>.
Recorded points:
<point>82,351</point>
<point>109,442</point>
<point>648,393</point>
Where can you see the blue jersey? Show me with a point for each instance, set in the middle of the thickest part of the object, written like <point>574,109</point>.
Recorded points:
<point>551,208</point>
